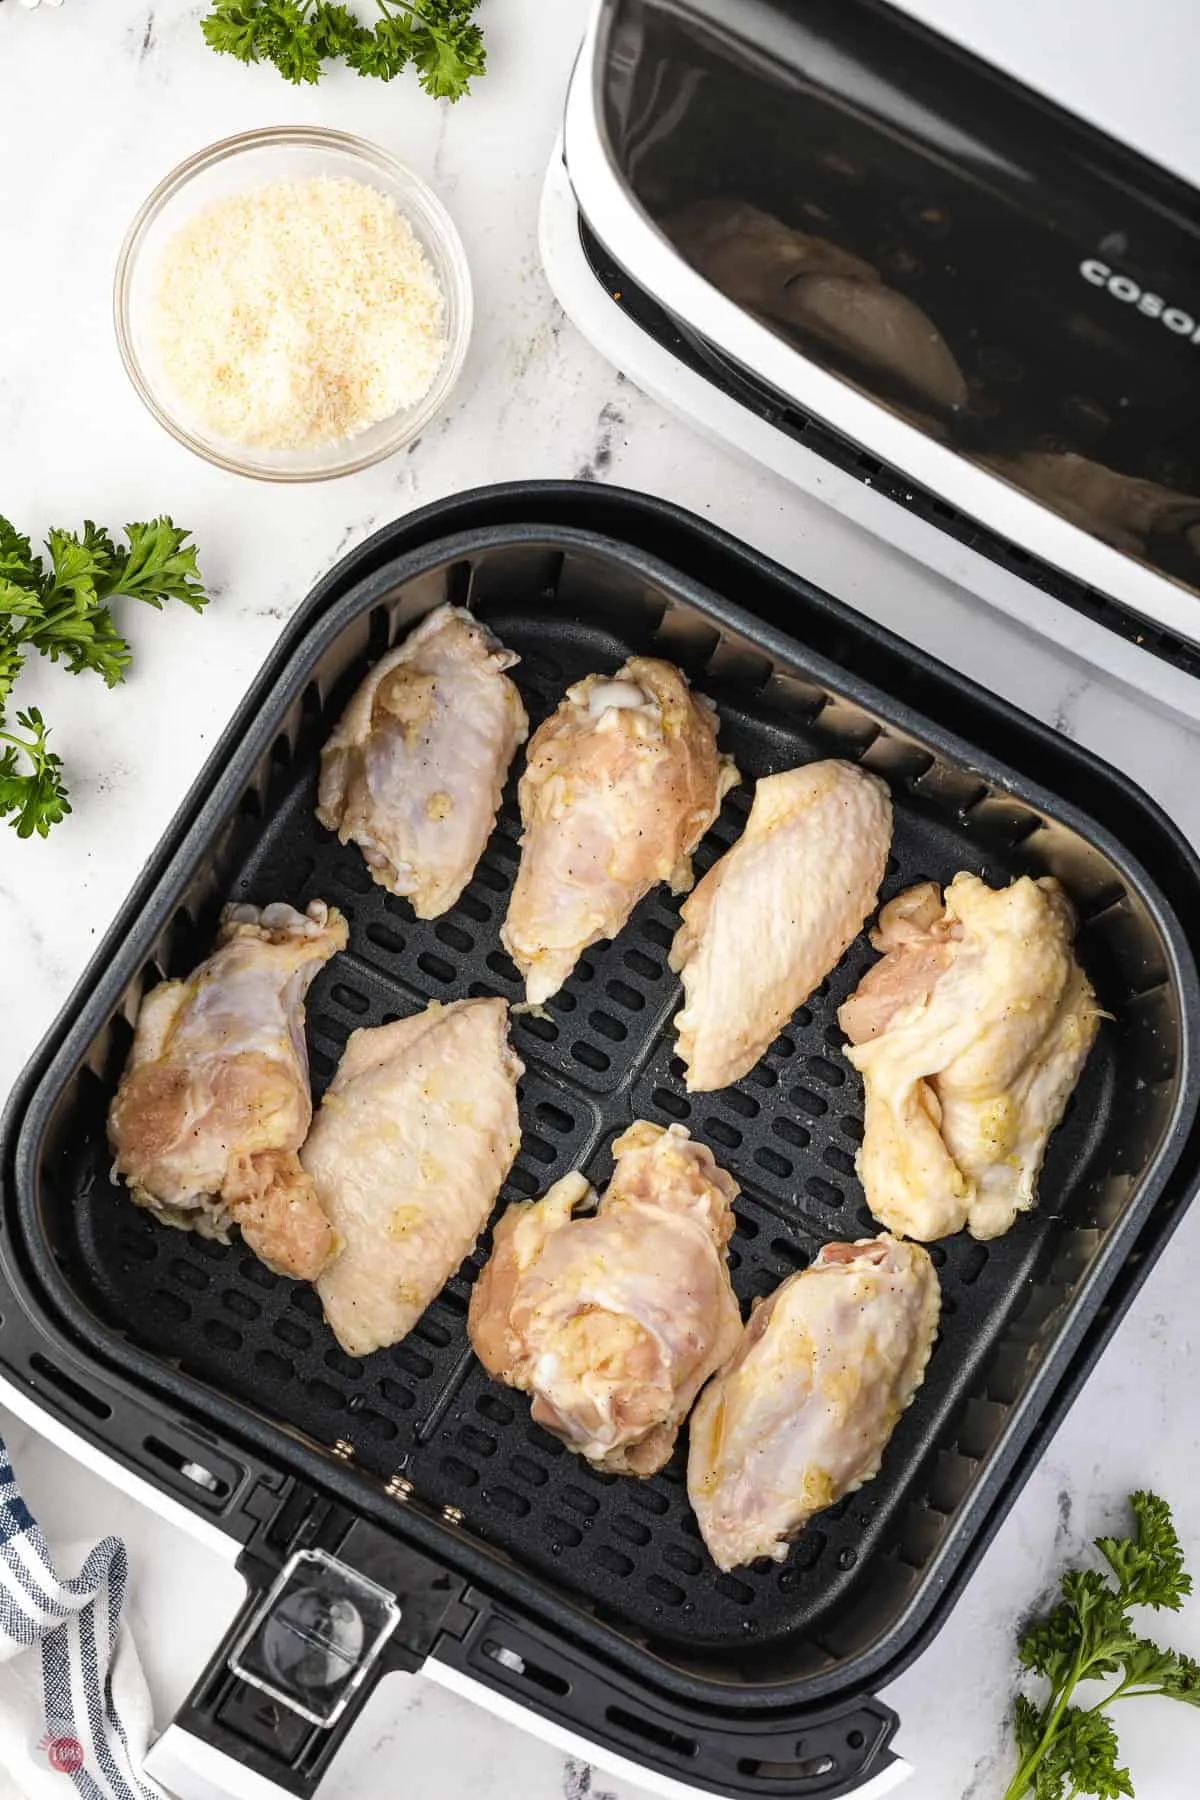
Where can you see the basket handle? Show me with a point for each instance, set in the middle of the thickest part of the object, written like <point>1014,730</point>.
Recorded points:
<point>190,1767</point>
<point>602,1756</point>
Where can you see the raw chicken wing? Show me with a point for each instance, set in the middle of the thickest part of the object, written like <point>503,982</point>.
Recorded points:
<point>615,1321</point>
<point>414,1139</point>
<point>620,785</point>
<point>970,1036</point>
<point>803,1411</point>
<point>214,1101</point>
<point>415,770</point>
<point>777,913</point>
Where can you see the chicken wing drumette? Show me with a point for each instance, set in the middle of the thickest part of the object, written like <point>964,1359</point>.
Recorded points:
<point>214,1102</point>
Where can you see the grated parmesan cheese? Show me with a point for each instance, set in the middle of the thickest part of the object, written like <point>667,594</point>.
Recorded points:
<point>298,313</point>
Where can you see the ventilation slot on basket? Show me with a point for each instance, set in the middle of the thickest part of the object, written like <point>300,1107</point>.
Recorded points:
<point>651,1733</point>
<point>41,1365</point>
<point>190,1472</point>
<point>811,1769</point>
<point>519,1665</point>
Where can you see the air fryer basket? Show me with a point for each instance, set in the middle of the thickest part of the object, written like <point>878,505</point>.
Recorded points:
<point>416,1437</point>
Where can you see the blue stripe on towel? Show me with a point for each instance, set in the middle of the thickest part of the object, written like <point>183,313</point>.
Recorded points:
<point>76,1624</point>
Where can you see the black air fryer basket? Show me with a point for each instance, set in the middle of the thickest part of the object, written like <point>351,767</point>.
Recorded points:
<point>587,1598</point>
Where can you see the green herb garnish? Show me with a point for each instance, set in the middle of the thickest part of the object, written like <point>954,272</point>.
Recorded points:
<point>438,38</point>
<point>1068,1750</point>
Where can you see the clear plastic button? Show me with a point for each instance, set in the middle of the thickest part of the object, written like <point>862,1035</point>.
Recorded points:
<point>315,1635</point>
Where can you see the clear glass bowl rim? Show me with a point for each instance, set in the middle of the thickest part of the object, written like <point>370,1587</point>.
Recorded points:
<point>301,137</point>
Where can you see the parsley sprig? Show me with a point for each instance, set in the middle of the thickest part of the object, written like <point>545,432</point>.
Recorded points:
<point>438,38</point>
<point>60,607</point>
<point>1067,1750</point>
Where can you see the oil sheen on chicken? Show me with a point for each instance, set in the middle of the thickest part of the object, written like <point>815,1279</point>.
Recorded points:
<point>802,1412</point>
<point>415,771</point>
<point>214,1101</point>
<point>613,1322</point>
<point>620,785</point>
<point>970,1036</point>
<point>414,1139</point>
<point>777,913</point>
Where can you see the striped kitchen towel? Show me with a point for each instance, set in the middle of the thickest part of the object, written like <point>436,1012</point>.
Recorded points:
<point>73,1700</point>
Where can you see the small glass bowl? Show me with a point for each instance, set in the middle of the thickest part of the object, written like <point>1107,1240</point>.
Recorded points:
<point>252,159</point>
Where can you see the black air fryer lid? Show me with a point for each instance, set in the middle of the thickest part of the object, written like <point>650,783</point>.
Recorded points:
<point>1004,277</point>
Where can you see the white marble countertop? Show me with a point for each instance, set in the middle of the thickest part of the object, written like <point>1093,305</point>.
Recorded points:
<point>96,103</point>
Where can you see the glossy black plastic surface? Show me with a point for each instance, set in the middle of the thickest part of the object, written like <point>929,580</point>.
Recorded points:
<point>204,1328</point>
<point>603,1056</point>
<point>697,354</point>
<point>1060,272</point>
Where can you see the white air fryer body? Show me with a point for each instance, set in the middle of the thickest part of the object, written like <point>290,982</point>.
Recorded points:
<point>1120,596</point>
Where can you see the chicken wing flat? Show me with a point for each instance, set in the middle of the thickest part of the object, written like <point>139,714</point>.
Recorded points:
<point>214,1101</point>
<point>970,1036</point>
<point>620,785</point>
<point>415,771</point>
<point>802,1412</point>
<point>615,1321</point>
<point>414,1139</point>
<point>777,913</point>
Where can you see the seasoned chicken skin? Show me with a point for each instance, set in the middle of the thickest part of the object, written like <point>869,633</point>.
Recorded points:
<point>415,770</point>
<point>615,1321</point>
<point>777,913</point>
<point>970,1036</point>
<point>802,1412</point>
<point>214,1101</point>
<point>620,785</point>
<point>415,1137</point>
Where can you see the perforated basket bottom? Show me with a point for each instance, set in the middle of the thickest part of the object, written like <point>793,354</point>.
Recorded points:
<point>788,1132</point>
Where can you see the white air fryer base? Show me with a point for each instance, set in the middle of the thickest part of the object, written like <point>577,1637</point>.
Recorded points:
<point>698,401</point>
<point>190,1769</point>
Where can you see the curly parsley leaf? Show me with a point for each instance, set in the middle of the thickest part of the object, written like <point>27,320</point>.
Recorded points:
<point>1147,1668</point>
<point>19,567</point>
<point>274,31</point>
<point>1149,1566</point>
<point>11,664</point>
<point>1027,1725</point>
<point>237,28</point>
<point>439,37</point>
<point>293,45</point>
<point>383,53</point>
<point>30,778</point>
<point>336,31</point>
<point>81,635</point>
<point>160,565</point>
<point>1063,1750</point>
<point>79,565</point>
<point>61,610</point>
<point>447,46</point>
<point>1082,1760</point>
